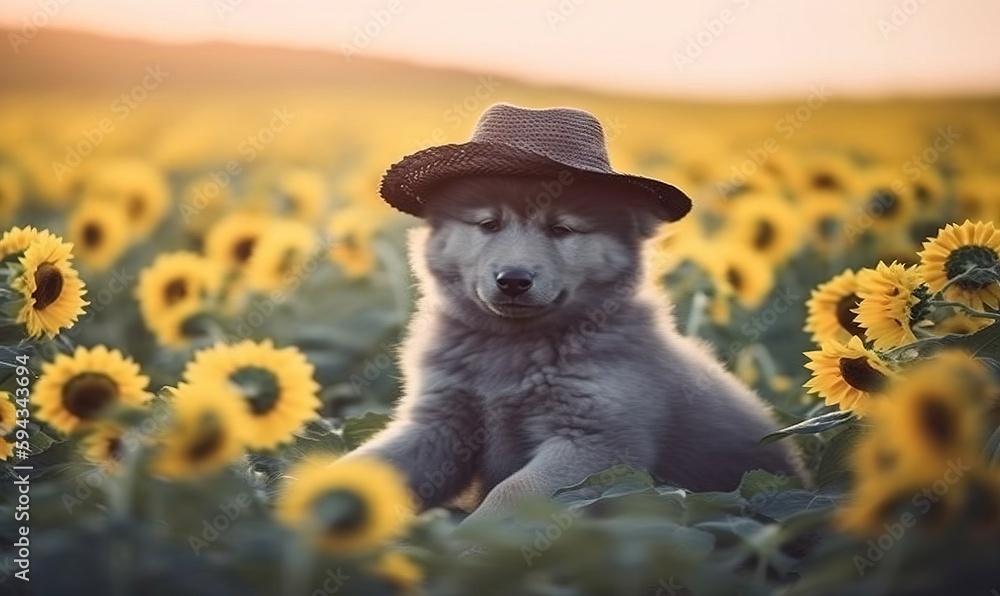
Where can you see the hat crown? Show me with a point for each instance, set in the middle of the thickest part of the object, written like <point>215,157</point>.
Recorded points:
<point>566,135</point>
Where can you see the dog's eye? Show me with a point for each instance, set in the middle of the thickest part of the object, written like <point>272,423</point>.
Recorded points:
<point>489,225</point>
<point>560,230</point>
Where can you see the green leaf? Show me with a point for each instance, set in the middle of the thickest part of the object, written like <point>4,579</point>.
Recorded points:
<point>360,429</point>
<point>991,452</point>
<point>811,426</point>
<point>834,466</point>
<point>614,482</point>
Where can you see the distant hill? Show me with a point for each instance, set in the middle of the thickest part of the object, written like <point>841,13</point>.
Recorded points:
<point>56,58</point>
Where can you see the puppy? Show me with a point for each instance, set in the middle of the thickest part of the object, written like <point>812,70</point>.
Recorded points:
<point>538,355</point>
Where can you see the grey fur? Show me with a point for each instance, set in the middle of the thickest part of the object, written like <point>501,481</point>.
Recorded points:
<point>526,401</point>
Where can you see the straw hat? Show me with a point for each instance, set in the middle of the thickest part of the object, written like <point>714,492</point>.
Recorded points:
<point>512,140</point>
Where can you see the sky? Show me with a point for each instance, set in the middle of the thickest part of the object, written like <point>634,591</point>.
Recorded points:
<point>721,49</point>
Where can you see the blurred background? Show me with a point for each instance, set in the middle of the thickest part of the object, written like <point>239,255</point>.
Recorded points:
<point>814,138</point>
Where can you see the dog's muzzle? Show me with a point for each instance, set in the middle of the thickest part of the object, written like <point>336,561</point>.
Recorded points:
<point>514,282</point>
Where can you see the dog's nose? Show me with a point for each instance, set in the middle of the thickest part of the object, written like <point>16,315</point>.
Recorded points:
<point>514,282</point>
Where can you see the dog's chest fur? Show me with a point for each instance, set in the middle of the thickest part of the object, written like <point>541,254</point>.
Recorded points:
<point>523,392</point>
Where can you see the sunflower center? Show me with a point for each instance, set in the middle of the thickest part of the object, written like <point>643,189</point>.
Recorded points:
<point>764,236</point>
<point>966,258</point>
<point>341,512</point>
<point>922,193</point>
<point>48,285</point>
<point>860,374</point>
<point>86,395</point>
<point>258,386</point>
<point>175,291</point>
<point>93,235</point>
<point>207,443</point>
<point>735,278</point>
<point>243,249</point>
<point>887,201</point>
<point>846,318</point>
<point>938,422</point>
<point>825,181</point>
<point>136,206</point>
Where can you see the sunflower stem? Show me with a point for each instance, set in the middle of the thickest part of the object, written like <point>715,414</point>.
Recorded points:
<point>958,278</point>
<point>966,309</point>
<point>697,314</point>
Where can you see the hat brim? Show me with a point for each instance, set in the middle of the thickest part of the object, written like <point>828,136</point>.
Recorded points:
<point>404,185</point>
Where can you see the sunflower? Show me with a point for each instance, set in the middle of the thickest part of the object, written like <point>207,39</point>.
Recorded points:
<point>232,240</point>
<point>957,250</point>
<point>17,240</point>
<point>891,304</point>
<point>76,390</point>
<point>179,327</point>
<point>831,316</point>
<point>348,505</point>
<point>302,193</point>
<point>928,189</point>
<point>351,233</point>
<point>8,414</point>
<point>137,189</point>
<point>747,277</point>
<point>886,199</point>
<point>281,255</point>
<point>824,221</point>
<point>6,449</point>
<point>11,193</point>
<point>849,376</point>
<point>208,431</point>
<point>51,292</point>
<point>276,385</point>
<point>105,445</point>
<point>176,282</point>
<point>99,234</point>
<point>824,172</point>
<point>768,227</point>
<point>931,416</point>
<point>880,500</point>
<point>977,197</point>
<point>400,572</point>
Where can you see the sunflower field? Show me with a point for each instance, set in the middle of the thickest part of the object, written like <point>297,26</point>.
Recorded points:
<point>201,294</point>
